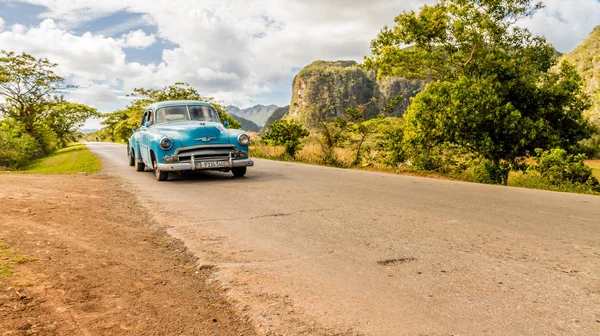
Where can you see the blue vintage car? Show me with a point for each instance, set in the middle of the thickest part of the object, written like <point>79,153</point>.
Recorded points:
<point>178,136</point>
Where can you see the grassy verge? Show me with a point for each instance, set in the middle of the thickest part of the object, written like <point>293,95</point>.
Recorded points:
<point>310,155</point>
<point>534,181</point>
<point>75,158</point>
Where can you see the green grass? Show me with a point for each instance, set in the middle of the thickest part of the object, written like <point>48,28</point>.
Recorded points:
<point>534,181</point>
<point>75,158</point>
<point>9,258</point>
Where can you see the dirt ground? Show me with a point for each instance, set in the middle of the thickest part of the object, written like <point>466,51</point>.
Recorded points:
<point>90,262</point>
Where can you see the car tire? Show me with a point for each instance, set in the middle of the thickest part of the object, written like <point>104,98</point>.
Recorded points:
<point>160,175</point>
<point>139,166</point>
<point>239,172</point>
<point>131,157</point>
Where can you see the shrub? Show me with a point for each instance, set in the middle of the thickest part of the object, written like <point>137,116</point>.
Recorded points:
<point>393,146</point>
<point>286,133</point>
<point>17,147</point>
<point>558,168</point>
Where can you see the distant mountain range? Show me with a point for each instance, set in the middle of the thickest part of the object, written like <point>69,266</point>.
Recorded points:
<point>247,125</point>
<point>87,130</point>
<point>277,115</point>
<point>258,114</point>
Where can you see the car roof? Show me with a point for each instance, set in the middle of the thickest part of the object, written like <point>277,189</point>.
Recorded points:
<point>177,103</point>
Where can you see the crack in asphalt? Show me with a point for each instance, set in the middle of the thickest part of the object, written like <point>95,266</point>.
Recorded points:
<point>289,214</point>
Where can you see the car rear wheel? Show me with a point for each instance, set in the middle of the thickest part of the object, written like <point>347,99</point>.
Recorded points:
<point>160,175</point>
<point>139,166</point>
<point>239,172</point>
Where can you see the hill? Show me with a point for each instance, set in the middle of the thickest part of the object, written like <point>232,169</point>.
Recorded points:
<point>337,86</point>
<point>586,58</point>
<point>258,114</point>
<point>247,125</point>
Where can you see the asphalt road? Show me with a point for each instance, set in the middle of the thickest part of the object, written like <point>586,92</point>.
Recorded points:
<point>309,250</point>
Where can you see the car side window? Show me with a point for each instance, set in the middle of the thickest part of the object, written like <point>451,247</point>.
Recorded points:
<point>150,117</point>
<point>144,119</point>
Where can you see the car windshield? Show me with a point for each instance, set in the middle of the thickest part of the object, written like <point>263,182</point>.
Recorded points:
<point>180,113</point>
<point>171,114</point>
<point>203,113</point>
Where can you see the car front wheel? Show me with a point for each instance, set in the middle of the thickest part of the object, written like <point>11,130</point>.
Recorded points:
<point>160,175</point>
<point>239,172</point>
<point>139,166</point>
<point>131,158</point>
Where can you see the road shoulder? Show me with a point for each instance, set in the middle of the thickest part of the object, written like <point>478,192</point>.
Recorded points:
<point>91,261</point>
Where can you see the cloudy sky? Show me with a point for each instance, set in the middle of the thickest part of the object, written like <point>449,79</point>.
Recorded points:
<point>243,52</point>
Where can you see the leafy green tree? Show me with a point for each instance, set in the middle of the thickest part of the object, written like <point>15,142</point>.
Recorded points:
<point>120,123</point>
<point>64,118</point>
<point>29,86</point>
<point>493,87</point>
<point>286,133</point>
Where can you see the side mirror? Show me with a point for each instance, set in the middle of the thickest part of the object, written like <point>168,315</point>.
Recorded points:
<point>147,124</point>
<point>225,123</point>
<point>134,129</point>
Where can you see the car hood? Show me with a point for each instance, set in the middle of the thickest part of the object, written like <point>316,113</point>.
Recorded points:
<point>194,133</point>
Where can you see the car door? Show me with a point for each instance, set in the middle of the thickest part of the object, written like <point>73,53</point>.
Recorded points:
<point>136,138</point>
<point>144,138</point>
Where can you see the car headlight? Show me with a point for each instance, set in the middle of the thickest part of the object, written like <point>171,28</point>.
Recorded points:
<point>244,139</point>
<point>166,143</point>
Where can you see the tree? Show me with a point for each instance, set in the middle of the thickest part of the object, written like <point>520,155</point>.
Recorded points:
<point>29,86</point>
<point>120,123</point>
<point>287,133</point>
<point>64,118</point>
<point>493,87</point>
<point>362,128</point>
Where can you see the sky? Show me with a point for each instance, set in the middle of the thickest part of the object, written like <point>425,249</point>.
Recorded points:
<point>243,52</point>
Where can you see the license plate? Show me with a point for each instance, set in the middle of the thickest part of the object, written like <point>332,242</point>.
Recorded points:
<point>211,164</point>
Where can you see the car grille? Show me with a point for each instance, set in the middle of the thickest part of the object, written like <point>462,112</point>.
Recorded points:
<point>206,152</point>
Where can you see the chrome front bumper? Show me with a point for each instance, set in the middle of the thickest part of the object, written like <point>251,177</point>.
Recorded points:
<point>192,165</point>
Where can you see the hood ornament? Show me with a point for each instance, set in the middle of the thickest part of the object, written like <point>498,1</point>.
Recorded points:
<point>205,139</point>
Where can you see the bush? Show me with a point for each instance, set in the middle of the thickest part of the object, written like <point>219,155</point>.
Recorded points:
<point>558,168</point>
<point>17,148</point>
<point>286,133</point>
<point>479,170</point>
<point>393,146</point>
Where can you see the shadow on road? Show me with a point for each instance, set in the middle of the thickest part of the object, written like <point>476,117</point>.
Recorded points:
<point>212,177</point>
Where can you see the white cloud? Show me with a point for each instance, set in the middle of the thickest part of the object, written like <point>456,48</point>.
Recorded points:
<point>237,49</point>
<point>127,25</point>
<point>1,24</point>
<point>137,39</point>
<point>565,23</point>
<point>87,57</point>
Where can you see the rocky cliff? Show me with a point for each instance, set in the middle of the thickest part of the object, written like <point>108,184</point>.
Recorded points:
<point>332,87</point>
<point>586,57</point>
